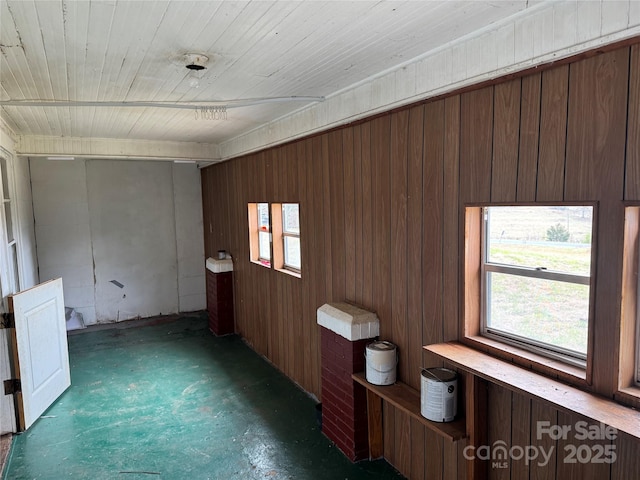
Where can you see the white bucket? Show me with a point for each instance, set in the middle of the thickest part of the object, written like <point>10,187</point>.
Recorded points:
<point>439,394</point>
<point>382,359</point>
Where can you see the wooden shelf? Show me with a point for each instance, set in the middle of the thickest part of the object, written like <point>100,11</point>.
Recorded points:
<point>401,396</point>
<point>539,387</point>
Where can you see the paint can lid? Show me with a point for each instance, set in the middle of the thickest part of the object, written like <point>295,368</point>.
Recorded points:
<point>381,346</point>
<point>439,374</point>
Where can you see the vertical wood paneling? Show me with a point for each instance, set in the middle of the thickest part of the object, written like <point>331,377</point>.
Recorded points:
<point>402,441</point>
<point>476,142</point>
<point>337,228</point>
<point>580,470</point>
<point>529,136</point>
<point>325,196</point>
<point>627,459</point>
<point>415,291</point>
<point>434,456</point>
<point>451,214</point>
<point>206,179</point>
<point>596,127</point>
<point>359,206</point>
<point>595,170</point>
<point>632,170</point>
<point>381,209</point>
<point>349,214</point>
<point>367,217</point>
<point>259,274</point>
<point>520,432</point>
<point>389,432</point>
<point>553,127</point>
<point>307,317</point>
<point>506,131</point>
<point>296,291</point>
<point>399,156</point>
<point>316,183</point>
<point>451,455</point>
<point>543,470</point>
<point>418,466</point>
<point>257,190</point>
<point>433,225</point>
<point>499,424</point>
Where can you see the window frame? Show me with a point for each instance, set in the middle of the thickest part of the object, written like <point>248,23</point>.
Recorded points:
<point>254,235</point>
<point>279,236</point>
<point>473,302</point>
<point>286,234</point>
<point>629,356</point>
<point>545,349</point>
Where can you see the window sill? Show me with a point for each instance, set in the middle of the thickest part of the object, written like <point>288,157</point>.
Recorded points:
<point>530,360</point>
<point>289,272</point>
<point>629,396</point>
<point>262,264</point>
<point>539,387</point>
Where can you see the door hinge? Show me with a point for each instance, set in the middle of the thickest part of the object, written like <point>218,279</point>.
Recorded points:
<point>8,320</point>
<point>12,386</point>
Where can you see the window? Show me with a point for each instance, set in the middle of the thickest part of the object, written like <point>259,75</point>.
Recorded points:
<point>287,256</point>
<point>259,233</point>
<point>264,233</point>
<point>277,227</point>
<point>11,282</point>
<point>535,277</point>
<point>291,235</point>
<point>629,357</point>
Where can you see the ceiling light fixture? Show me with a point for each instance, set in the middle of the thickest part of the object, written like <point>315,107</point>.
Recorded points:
<point>195,61</point>
<point>60,157</point>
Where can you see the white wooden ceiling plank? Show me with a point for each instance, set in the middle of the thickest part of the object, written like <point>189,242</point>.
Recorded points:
<point>263,36</point>
<point>16,56</point>
<point>249,47</point>
<point>13,82</point>
<point>100,25</point>
<point>138,39</point>
<point>24,14</point>
<point>379,54</point>
<point>165,77</point>
<point>76,34</point>
<point>50,17</point>
<point>349,46</point>
<point>123,55</point>
<point>234,20</point>
<point>205,22</point>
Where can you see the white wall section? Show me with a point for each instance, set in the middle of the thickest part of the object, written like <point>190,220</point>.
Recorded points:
<point>27,255</point>
<point>136,223</point>
<point>133,237</point>
<point>63,233</point>
<point>187,195</point>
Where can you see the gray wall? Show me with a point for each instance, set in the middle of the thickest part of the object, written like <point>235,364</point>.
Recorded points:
<point>136,222</point>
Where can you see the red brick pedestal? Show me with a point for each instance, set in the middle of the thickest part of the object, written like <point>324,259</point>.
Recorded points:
<point>220,302</point>
<point>344,402</point>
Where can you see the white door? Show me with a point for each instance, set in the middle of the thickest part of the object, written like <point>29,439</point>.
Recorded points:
<point>41,357</point>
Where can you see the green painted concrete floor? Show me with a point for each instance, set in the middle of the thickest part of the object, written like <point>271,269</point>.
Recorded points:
<point>171,401</point>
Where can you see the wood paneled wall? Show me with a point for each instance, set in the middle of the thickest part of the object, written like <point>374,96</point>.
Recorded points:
<point>381,205</point>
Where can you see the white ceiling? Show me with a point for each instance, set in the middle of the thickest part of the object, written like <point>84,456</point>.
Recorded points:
<point>130,51</point>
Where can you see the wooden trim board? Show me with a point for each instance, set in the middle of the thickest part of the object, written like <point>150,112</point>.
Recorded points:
<point>518,379</point>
